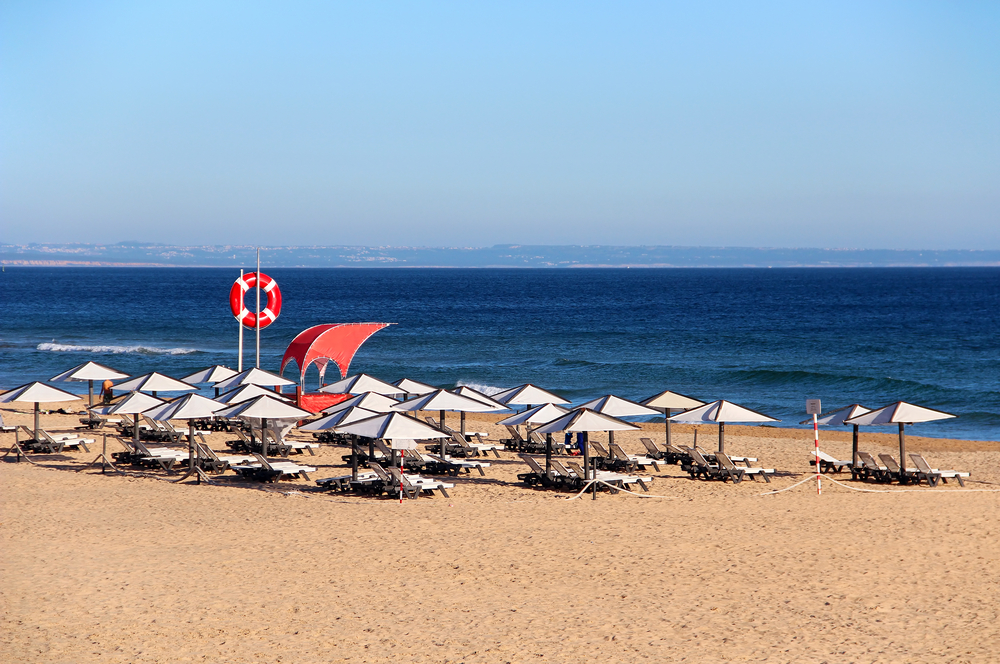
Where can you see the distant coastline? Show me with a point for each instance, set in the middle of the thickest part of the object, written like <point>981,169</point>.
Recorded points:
<point>136,254</point>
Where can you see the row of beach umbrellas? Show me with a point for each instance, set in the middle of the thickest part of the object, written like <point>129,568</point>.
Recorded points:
<point>374,409</point>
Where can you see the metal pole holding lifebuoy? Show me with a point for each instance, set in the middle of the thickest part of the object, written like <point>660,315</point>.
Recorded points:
<point>258,308</point>
<point>239,364</point>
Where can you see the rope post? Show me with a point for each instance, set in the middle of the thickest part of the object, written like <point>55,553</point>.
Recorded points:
<point>819,480</point>
<point>257,323</point>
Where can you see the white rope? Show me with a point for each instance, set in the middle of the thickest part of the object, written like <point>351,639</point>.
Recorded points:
<point>854,488</point>
<point>616,488</point>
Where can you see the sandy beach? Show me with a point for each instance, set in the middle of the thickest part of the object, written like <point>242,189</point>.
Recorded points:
<point>133,568</point>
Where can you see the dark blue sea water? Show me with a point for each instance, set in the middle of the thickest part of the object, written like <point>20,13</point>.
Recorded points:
<point>767,339</point>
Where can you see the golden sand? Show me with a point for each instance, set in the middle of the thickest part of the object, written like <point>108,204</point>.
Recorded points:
<point>113,568</point>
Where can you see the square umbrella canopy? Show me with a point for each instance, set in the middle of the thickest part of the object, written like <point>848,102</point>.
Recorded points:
<point>719,412</point>
<point>538,415</point>
<point>332,421</point>
<point>265,407</point>
<point>213,374</point>
<point>585,420</point>
<point>253,376</point>
<point>442,401</point>
<point>89,372</point>
<point>154,382</point>
<point>839,417</point>
<point>669,401</point>
<point>36,393</point>
<point>188,407</point>
<point>901,413</point>
<point>471,393</point>
<point>617,407</point>
<point>360,384</point>
<point>247,392</point>
<point>133,404</point>
<point>392,425</point>
<point>527,395</point>
<point>409,387</point>
<point>373,401</point>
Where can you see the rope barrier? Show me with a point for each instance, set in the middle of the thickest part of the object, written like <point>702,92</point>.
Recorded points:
<point>854,488</point>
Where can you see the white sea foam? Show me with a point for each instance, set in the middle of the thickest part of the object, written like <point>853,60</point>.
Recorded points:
<point>145,350</point>
<point>488,390</point>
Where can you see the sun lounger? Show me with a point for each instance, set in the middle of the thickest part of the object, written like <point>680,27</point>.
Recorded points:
<point>345,482</point>
<point>537,474</point>
<point>829,464</point>
<point>634,460</point>
<point>932,475</point>
<point>157,455</point>
<point>700,466</point>
<point>567,477</point>
<point>55,443</point>
<point>871,470</point>
<point>271,470</point>
<point>208,459</point>
<point>669,454</point>
<point>615,479</point>
<point>515,442</point>
<point>895,471</point>
<point>453,466</point>
<point>727,467</point>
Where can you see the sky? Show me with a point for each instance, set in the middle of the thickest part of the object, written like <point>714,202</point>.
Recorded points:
<point>772,124</point>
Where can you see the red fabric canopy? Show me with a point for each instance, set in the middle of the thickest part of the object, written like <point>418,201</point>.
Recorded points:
<point>336,342</point>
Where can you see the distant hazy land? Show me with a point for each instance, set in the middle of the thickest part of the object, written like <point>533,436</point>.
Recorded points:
<point>524,256</point>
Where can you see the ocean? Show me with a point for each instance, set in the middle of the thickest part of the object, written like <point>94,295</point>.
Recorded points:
<point>767,339</point>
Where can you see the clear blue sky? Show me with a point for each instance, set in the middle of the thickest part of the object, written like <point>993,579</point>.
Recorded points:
<point>870,124</point>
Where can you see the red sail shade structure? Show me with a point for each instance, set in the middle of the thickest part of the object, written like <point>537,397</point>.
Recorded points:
<point>322,344</point>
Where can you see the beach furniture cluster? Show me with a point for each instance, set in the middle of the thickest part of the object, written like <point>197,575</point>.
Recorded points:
<point>401,445</point>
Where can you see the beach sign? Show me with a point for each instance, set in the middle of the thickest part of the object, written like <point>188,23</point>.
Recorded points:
<point>813,407</point>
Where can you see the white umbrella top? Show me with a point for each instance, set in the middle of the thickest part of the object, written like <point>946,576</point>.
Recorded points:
<point>537,415</point>
<point>247,392</point>
<point>264,406</point>
<point>37,393</point>
<point>618,407</point>
<point>527,395</point>
<point>471,393</point>
<point>359,385</point>
<point>341,417</point>
<point>392,426</point>
<point>671,400</point>
<point>131,404</point>
<point>445,400</point>
<point>721,411</point>
<point>253,376</point>
<point>407,386</point>
<point>187,407</point>
<point>89,371</point>
<point>584,419</point>
<point>213,374</point>
<point>839,416</point>
<point>378,403</point>
<point>899,413</point>
<point>154,382</point>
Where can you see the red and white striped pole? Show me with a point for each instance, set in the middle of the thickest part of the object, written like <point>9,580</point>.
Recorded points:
<point>819,480</point>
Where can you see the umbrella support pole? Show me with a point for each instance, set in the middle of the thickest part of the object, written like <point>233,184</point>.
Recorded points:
<point>103,458</point>
<point>17,446</point>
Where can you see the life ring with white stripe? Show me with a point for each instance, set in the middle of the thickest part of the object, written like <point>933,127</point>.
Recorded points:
<point>267,285</point>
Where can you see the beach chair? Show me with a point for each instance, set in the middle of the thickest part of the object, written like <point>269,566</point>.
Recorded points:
<point>669,454</point>
<point>829,464</point>
<point>894,471</point>
<point>932,475</point>
<point>870,469</point>
<point>211,461</point>
<point>726,465</point>
<point>634,461</point>
<point>345,482</point>
<point>267,470</point>
<point>158,430</point>
<point>537,475</point>
<point>485,446</point>
<point>700,466</point>
<point>413,485</point>
<point>55,443</point>
<point>599,454</point>
<point>158,455</point>
<point>515,442</point>
<point>614,479</point>
<point>452,466</point>
<point>535,443</point>
<point>567,477</point>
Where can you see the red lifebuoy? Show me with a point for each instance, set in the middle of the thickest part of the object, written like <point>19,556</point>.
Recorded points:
<point>244,315</point>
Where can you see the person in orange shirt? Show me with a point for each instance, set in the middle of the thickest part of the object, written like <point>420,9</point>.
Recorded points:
<point>106,391</point>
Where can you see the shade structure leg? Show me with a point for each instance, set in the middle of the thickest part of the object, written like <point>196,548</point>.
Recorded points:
<point>192,468</point>
<point>722,437</point>
<point>90,393</point>
<point>854,457</point>
<point>666,415</point>
<point>461,428</point>
<point>548,453</point>
<point>354,458</point>
<point>103,458</point>
<point>902,453</point>
<point>36,421</point>
<point>441,420</point>
<point>263,437</point>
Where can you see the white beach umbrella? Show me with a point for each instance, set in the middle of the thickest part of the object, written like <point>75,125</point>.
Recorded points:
<point>360,384</point>
<point>264,407</point>
<point>617,407</point>
<point>667,402</point>
<point>537,415</point>
<point>247,392</point>
<point>132,404</point>
<point>901,413</point>
<point>36,393</point>
<point>392,426</point>
<point>212,374</point>
<point>442,401</point>
<point>89,371</point>
<point>409,387</point>
<point>527,395</point>
<point>154,382</point>
<point>466,391</point>
<point>343,418</point>
<point>253,376</point>
<point>719,412</point>
<point>839,417</point>
<point>584,420</point>
<point>378,403</point>
<point>189,407</point>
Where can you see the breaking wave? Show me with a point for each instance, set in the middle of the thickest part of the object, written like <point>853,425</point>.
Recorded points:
<point>113,350</point>
<point>488,390</point>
